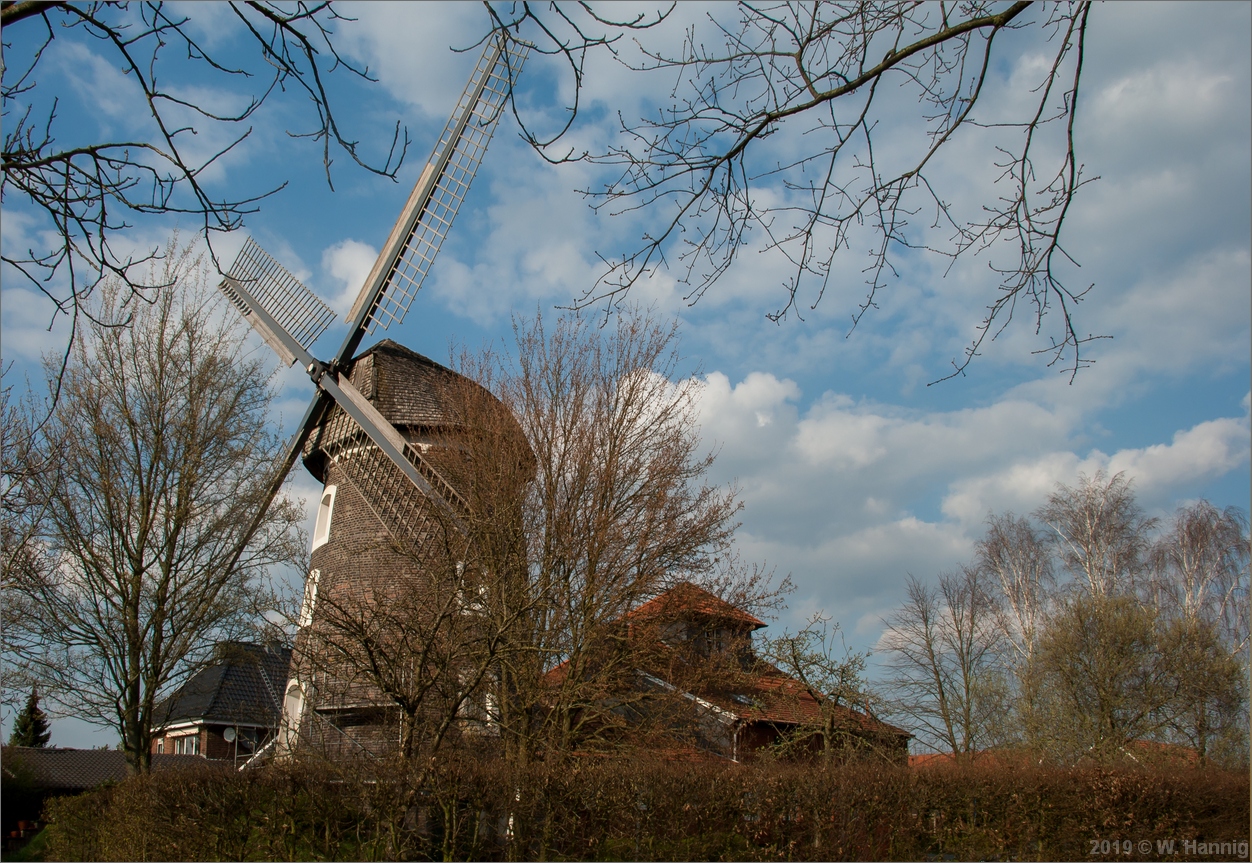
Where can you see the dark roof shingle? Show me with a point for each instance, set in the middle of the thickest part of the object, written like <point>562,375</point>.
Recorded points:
<point>80,769</point>
<point>418,396</point>
<point>245,685</point>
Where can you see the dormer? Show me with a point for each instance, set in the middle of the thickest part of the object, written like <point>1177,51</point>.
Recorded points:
<point>689,615</point>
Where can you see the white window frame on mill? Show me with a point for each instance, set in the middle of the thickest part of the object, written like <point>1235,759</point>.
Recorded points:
<point>310,597</point>
<point>293,707</point>
<point>325,509</point>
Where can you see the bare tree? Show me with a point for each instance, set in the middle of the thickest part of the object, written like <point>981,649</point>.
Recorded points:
<point>618,511</point>
<point>833,676</point>
<point>152,461</point>
<point>821,78</point>
<point>1201,569</point>
<point>1099,532</point>
<point>21,509</point>
<point>84,191</point>
<point>943,645</point>
<point>1017,559</point>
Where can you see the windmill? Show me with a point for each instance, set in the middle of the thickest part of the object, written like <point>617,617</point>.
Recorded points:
<point>391,476</point>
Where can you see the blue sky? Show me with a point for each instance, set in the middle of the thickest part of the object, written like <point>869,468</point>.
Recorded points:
<point>853,472</point>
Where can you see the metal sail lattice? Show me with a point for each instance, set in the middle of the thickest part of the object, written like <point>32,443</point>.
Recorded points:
<point>297,309</point>
<point>467,133</point>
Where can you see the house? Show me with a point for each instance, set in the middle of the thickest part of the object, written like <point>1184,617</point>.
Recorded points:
<point>693,662</point>
<point>228,710</point>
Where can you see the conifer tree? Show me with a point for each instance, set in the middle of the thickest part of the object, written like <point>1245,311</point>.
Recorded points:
<point>31,726</point>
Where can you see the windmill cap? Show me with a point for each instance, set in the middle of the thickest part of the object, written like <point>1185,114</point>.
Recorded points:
<point>415,394</point>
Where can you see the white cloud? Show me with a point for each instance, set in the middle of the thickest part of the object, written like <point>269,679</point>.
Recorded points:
<point>26,316</point>
<point>348,262</point>
<point>1162,472</point>
<point>113,97</point>
<point>1210,449</point>
<point>849,496</point>
<point>409,47</point>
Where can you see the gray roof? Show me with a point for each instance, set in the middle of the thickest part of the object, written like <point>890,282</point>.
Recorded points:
<point>245,685</point>
<point>407,388</point>
<point>80,769</point>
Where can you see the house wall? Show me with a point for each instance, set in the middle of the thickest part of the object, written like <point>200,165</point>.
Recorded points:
<point>165,742</point>
<point>754,737</point>
<point>213,743</point>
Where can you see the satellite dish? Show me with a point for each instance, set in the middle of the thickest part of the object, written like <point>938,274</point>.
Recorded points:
<point>229,735</point>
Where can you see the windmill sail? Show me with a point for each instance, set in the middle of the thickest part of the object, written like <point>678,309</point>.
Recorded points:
<point>290,317</point>
<point>405,259</point>
<point>408,490</point>
<point>384,487</point>
<point>352,408</point>
<point>404,485</point>
<point>256,279</point>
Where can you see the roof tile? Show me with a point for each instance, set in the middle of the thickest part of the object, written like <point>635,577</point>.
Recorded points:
<point>244,686</point>
<point>80,769</point>
<point>686,597</point>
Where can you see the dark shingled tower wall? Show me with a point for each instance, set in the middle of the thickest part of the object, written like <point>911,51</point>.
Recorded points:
<point>325,708</point>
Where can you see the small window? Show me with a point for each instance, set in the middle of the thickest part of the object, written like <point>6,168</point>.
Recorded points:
<point>310,597</point>
<point>293,706</point>
<point>160,745</point>
<point>472,601</point>
<point>321,528</point>
<point>294,701</point>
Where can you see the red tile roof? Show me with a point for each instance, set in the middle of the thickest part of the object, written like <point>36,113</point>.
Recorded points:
<point>929,759</point>
<point>687,597</point>
<point>764,694</point>
<point>557,675</point>
<point>775,697</point>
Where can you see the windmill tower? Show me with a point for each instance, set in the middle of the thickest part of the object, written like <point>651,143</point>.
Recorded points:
<point>381,431</point>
